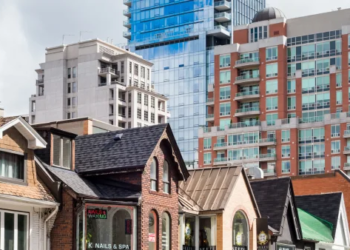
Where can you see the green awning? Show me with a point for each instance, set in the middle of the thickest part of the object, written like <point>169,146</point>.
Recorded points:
<point>314,228</point>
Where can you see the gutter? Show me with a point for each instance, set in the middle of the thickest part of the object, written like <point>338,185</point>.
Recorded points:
<point>54,212</point>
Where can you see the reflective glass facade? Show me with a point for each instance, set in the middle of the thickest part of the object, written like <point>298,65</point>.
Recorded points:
<point>178,36</point>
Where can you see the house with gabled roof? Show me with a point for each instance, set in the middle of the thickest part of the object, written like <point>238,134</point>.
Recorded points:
<point>324,220</point>
<point>218,210</point>
<point>27,208</point>
<point>119,190</point>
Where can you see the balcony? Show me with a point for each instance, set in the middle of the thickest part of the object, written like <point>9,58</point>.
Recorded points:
<point>247,111</point>
<point>222,17</point>
<point>267,157</point>
<point>247,78</point>
<point>210,117</point>
<point>220,145</point>
<point>108,70</point>
<point>210,101</point>
<point>346,150</point>
<point>219,31</point>
<point>40,81</point>
<point>127,13</point>
<point>127,34</point>
<point>346,134</point>
<point>311,119</point>
<point>222,5</point>
<point>220,160</point>
<point>267,142</point>
<point>239,125</point>
<point>346,166</point>
<point>127,2</point>
<point>127,24</point>
<point>247,62</point>
<point>269,172</point>
<point>250,143</point>
<point>247,95</point>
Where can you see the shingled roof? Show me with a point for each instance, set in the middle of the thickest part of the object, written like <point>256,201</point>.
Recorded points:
<point>273,197</point>
<point>102,153</point>
<point>4,120</point>
<point>324,206</point>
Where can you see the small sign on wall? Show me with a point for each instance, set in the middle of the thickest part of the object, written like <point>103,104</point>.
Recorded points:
<point>128,226</point>
<point>152,237</point>
<point>97,213</point>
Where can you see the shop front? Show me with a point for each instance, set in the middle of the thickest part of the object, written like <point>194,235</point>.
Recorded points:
<point>103,226</point>
<point>218,210</point>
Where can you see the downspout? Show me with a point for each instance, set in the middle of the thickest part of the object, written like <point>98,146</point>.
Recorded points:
<point>45,226</point>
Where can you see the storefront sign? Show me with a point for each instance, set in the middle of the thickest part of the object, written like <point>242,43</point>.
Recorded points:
<point>239,247</point>
<point>262,231</point>
<point>104,246</point>
<point>152,237</point>
<point>128,226</point>
<point>285,247</point>
<point>97,213</point>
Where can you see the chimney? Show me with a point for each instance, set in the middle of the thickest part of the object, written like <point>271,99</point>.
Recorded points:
<point>2,112</point>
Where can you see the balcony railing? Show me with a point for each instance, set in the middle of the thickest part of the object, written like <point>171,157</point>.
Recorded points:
<point>223,14</point>
<point>126,33</point>
<point>210,115</point>
<point>220,27</point>
<point>250,109</point>
<point>247,77</point>
<point>346,166</point>
<point>221,3</point>
<point>269,171</point>
<point>220,159</point>
<point>210,99</point>
<point>245,124</point>
<point>126,12</point>
<point>311,119</point>
<point>247,93</point>
<point>264,156</point>
<point>347,133</point>
<point>247,60</point>
<point>107,70</point>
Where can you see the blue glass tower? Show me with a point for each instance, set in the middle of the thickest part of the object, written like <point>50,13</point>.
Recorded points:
<point>178,36</point>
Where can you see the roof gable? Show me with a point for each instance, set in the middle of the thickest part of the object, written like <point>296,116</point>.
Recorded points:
<point>103,153</point>
<point>324,206</point>
<point>35,141</point>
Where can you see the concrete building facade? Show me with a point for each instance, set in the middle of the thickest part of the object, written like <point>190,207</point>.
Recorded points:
<point>280,101</point>
<point>96,79</point>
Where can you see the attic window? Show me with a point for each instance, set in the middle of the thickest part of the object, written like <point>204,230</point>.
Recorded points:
<point>62,151</point>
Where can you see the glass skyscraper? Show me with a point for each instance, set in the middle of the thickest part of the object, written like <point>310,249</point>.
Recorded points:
<point>178,36</point>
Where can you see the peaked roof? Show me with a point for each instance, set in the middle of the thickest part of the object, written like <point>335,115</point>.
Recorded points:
<point>101,152</point>
<point>210,188</point>
<point>324,206</point>
<point>314,228</point>
<point>273,197</point>
<point>35,141</point>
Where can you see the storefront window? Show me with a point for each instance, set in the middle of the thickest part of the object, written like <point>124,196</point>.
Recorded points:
<point>206,232</point>
<point>189,233</point>
<point>108,227</point>
<point>15,235</point>
<point>165,231</point>
<point>152,231</point>
<point>240,231</point>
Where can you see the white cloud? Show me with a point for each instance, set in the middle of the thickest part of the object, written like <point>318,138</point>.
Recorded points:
<point>16,74</point>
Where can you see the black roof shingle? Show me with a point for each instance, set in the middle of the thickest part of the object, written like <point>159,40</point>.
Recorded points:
<point>102,153</point>
<point>324,206</point>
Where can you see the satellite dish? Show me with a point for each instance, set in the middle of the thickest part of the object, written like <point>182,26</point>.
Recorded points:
<point>256,173</point>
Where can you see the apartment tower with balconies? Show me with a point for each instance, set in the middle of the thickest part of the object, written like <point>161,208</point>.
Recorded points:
<point>98,80</point>
<point>280,101</point>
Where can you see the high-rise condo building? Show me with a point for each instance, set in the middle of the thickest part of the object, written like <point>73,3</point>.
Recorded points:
<point>280,100</point>
<point>98,80</point>
<point>178,36</point>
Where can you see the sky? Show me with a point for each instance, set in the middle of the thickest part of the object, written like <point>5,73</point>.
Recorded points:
<point>29,26</point>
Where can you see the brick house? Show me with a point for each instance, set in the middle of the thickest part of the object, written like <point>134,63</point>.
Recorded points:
<point>119,190</point>
<point>27,209</point>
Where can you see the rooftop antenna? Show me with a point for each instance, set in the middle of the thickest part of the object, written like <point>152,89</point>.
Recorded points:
<point>64,36</point>
<point>81,34</point>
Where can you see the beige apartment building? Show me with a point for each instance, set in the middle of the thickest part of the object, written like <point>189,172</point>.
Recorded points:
<point>99,80</point>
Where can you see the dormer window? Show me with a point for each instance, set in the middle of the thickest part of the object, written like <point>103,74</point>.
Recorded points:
<point>12,166</point>
<point>154,167</point>
<point>166,185</point>
<point>62,151</point>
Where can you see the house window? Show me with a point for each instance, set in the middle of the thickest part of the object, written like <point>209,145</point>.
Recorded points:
<point>153,102</point>
<point>69,73</point>
<point>285,136</point>
<point>154,172</point>
<point>335,130</point>
<point>152,231</point>
<point>74,72</point>
<point>271,87</point>
<point>12,166</point>
<point>225,109</point>
<point>68,102</point>
<point>291,103</point>
<point>225,77</point>
<point>271,119</point>
<point>147,74</point>
<point>240,230</point>
<point>225,93</point>
<point>207,158</point>
<point>286,151</point>
<point>62,151</point>
<point>335,147</point>
<point>225,61</point>
<point>271,54</point>
<point>139,97</point>
<point>166,231</point>
<point>272,103</point>
<point>145,100</point>
<point>15,230</point>
<point>285,166</point>
<point>339,97</point>
<point>335,162</point>
<point>271,70</point>
<point>112,220</point>
<point>291,86</point>
<point>207,143</point>
<point>166,177</point>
